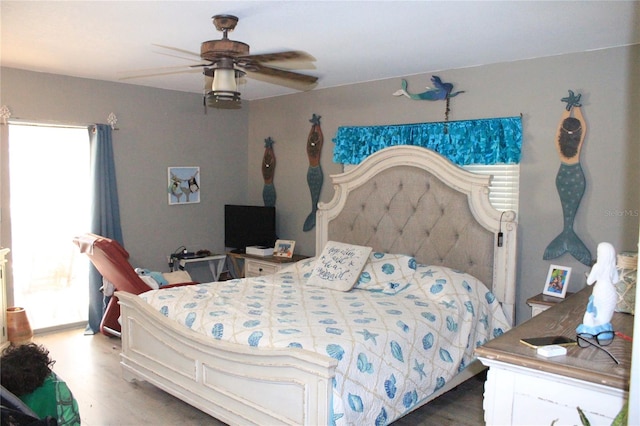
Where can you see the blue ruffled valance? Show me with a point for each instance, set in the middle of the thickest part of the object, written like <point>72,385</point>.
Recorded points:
<point>486,141</point>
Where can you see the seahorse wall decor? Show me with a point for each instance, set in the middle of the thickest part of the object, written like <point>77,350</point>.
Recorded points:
<point>268,170</point>
<point>570,180</point>
<point>314,174</point>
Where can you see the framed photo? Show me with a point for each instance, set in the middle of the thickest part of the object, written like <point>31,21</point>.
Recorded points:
<point>284,248</point>
<point>557,281</point>
<point>184,185</point>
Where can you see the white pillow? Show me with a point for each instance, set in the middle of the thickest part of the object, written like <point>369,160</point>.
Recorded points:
<point>387,273</point>
<point>177,277</point>
<point>339,266</point>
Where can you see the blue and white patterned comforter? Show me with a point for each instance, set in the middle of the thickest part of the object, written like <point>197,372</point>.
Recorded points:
<point>392,350</point>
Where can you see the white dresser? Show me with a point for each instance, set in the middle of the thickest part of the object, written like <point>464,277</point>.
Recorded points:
<point>524,388</point>
<point>259,267</point>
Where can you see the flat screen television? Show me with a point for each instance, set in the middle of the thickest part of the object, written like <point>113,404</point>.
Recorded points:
<point>249,226</point>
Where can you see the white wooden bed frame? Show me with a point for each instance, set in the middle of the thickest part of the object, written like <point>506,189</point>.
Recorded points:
<point>244,385</point>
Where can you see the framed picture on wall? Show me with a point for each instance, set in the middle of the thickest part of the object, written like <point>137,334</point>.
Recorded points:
<point>557,281</point>
<point>284,248</point>
<point>184,185</point>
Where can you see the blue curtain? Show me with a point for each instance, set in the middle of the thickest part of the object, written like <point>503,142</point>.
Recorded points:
<point>485,141</point>
<point>105,212</point>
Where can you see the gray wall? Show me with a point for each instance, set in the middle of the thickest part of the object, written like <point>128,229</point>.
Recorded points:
<point>607,80</point>
<point>157,129</point>
<point>160,128</point>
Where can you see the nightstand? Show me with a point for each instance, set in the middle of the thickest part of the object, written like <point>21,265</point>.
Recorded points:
<point>542,302</point>
<point>256,266</point>
<point>524,388</point>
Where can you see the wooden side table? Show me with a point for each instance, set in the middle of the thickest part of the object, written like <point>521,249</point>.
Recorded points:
<point>541,302</point>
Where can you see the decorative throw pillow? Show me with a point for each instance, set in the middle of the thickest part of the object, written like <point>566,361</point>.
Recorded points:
<point>339,266</point>
<point>153,284</point>
<point>387,273</point>
<point>157,276</point>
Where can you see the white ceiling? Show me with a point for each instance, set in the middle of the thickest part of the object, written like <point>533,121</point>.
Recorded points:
<point>352,41</point>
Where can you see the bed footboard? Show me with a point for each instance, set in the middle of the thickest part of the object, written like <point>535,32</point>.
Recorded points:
<point>233,383</point>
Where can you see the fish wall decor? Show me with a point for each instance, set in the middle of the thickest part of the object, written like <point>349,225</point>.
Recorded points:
<point>314,173</point>
<point>268,170</point>
<point>570,180</point>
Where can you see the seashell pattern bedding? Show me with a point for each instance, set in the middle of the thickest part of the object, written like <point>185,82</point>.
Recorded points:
<point>393,350</point>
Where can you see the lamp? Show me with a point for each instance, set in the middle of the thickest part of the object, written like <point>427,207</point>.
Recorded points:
<point>18,328</point>
<point>224,89</point>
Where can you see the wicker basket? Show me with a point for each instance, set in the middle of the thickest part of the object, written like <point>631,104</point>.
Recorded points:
<point>627,266</point>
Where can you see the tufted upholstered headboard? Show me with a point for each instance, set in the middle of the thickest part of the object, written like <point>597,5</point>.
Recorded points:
<point>411,200</point>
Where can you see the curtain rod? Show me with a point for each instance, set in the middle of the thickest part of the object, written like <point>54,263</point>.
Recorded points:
<point>22,122</point>
<point>5,118</point>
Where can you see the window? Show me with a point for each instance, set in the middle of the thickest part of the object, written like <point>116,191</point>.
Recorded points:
<point>505,185</point>
<point>49,204</point>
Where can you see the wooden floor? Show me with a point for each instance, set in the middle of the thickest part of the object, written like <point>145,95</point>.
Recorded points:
<point>90,366</point>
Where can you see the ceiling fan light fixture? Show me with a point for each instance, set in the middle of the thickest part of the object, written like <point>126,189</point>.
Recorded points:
<point>223,100</point>
<point>224,80</point>
<point>224,63</point>
<point>224,90</point>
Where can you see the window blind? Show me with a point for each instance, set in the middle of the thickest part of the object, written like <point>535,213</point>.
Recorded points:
<point>505,184</point>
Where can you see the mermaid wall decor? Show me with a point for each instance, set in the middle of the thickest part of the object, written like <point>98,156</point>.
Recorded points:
<point>314,173</point>
<point>268,170</point>
<point>440,92</point>
<point>570,180</point>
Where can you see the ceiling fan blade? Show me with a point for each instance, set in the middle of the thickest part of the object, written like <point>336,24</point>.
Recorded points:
<point>280,77</point>
<point>291,55</point>
<point>188,52</point>
<point>179,57</point>
<point>154,72</point>
<point>292,60</point>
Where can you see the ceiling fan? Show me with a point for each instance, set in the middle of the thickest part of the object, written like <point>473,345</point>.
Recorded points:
<point>226,61</point>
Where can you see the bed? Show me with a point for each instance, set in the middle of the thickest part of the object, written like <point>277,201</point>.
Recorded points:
<point>401,200</point>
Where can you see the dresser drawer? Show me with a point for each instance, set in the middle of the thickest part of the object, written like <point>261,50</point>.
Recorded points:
<point>256,268</point>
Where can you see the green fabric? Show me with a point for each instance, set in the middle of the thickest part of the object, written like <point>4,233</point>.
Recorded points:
<point>43,400</point>
<point>54,399</point>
